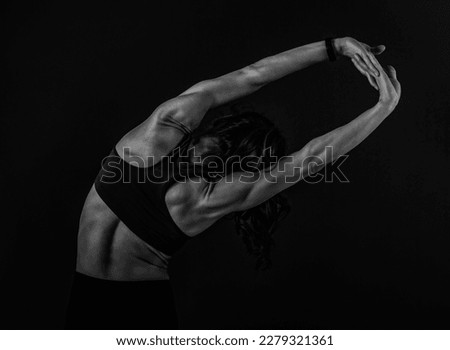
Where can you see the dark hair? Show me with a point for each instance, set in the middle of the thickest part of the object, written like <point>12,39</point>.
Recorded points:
<point>244,134</point>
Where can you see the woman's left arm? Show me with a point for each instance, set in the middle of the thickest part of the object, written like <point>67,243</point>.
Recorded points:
<point>287,62</point>
<point>249,79</point>
<point>190,106</point>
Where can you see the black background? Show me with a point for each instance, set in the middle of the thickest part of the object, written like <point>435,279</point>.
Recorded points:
<point>372,253</point>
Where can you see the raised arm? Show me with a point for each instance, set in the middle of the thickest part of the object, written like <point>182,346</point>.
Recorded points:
<point>240,193</point>
<point>169,121</point>
<point>213,92</point>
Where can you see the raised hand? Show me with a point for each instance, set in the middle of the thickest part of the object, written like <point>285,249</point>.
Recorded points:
<point>389,87</point>
<point>362,56</point>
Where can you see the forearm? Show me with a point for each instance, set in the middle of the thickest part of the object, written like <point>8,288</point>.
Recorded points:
<point>275,67</point>
<point>342,140</point>
<point>251,78</point>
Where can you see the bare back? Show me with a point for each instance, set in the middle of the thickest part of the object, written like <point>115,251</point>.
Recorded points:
<point>107,248</point>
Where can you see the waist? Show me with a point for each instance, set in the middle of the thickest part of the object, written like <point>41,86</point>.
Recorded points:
<point>119,255</point>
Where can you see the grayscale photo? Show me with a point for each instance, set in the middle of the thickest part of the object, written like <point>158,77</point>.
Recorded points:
<point>226,165</point>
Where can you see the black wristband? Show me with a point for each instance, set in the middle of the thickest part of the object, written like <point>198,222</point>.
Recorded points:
<point>330,49</point>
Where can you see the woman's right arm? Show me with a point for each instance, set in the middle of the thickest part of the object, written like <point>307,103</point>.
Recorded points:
<point>243,192</point>
<point>343,139</point>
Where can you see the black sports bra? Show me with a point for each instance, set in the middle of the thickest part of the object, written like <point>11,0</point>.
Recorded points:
<point>137,196</point>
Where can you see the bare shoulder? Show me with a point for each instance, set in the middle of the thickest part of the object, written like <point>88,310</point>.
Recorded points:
<point>165,127</point>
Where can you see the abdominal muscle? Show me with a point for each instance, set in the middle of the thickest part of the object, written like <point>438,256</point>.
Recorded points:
<point>107,249</point>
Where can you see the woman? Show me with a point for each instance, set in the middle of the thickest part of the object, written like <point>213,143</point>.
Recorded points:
<point>167,180</point>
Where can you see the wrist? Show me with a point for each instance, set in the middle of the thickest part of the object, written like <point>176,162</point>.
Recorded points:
<point>339,46</point>
<point>386,106</point>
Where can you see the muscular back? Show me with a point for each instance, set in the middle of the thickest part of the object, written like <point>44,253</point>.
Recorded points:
<point>107,248</point>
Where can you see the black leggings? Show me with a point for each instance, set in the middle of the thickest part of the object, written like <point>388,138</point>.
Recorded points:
<point>102,304</point>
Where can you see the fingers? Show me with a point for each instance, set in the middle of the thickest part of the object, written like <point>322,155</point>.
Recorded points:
<point>356,64</point>
<point>374,62</point>
<point>376,50</point>
<point>362,64</point>
<point>370,64</point>
<point>371,79</point>
<point>392,74</point>
<point>378,65</point>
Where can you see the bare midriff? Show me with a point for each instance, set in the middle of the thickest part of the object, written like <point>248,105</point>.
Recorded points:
<point>108,249</point>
